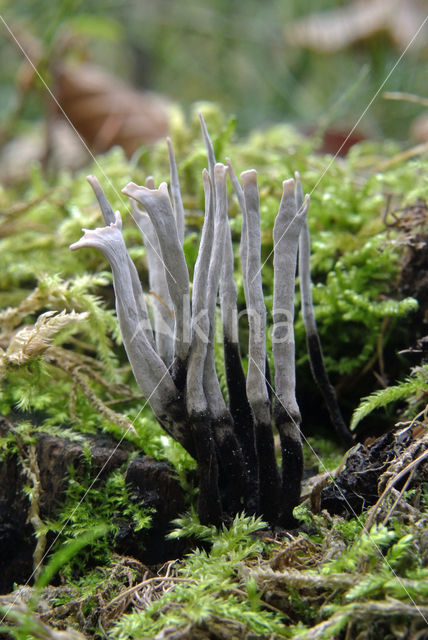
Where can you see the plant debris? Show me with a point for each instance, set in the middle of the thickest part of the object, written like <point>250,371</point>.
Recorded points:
<point>398,459</point>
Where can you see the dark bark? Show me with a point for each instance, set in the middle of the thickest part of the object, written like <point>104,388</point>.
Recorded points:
<point>151,482</point>
<point>179,373</point>
<point>357,485</point>
<point>232,468</point>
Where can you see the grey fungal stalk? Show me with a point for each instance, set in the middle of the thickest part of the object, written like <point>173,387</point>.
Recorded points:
<point>172,352</point>
<point>316,358</point>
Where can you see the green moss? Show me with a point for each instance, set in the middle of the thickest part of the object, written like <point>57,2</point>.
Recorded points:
<point>206,589</point>
<point>412,391</point>
<point>89,503</point>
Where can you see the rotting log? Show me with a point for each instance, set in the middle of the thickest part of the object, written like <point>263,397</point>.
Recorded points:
<point>151,483</point>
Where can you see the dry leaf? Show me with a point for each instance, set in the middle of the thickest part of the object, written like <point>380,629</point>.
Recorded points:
<point>107,112</point>
<point>331,31</point>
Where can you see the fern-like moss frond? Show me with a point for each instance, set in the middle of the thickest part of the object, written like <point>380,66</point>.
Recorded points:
<point>412,389</point>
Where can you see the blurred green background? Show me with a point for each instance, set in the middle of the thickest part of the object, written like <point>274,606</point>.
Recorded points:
<point>242,55</point>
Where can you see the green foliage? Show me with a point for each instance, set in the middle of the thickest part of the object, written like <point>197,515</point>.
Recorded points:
<point>412,390</point>
<point>365,569</point>
<point>365,549</point>
<point>188,526</point>
<point>352,297</point>
<point>11,442</point>
<point>339,563</point>
<point>90,502</point>
<point>357,580</point>
<point>303,514</point>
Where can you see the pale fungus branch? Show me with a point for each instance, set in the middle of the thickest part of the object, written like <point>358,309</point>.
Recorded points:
<point>288,224</point>
<point>158,205</point>
<point>176,192</point>
<point>110,218</point>
<point>149,370</point>
<point>313,342</point>
<point>163,316</point>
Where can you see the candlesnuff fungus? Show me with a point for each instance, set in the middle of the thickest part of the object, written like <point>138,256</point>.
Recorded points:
<point>172,357</point>
<point>316,357</point>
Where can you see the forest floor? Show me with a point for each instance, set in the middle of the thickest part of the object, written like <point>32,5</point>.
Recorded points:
<point>98,534</point>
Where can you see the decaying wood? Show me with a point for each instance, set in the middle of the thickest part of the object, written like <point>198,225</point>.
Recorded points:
<point>44,466</point>
<point>371,471</point>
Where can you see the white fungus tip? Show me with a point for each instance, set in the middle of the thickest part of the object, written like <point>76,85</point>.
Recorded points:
<point>206,177</point>
<point>288,187</point>
<point>249,177</point>
<point>83,241</point>
<point>220,170</point>
<point>118,220</point>
<point>130,189</point>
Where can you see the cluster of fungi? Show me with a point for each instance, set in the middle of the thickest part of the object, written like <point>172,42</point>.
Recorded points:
<point>171,349</point>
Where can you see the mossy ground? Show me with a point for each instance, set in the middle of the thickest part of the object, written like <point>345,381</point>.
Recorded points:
<point>68,375</point>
